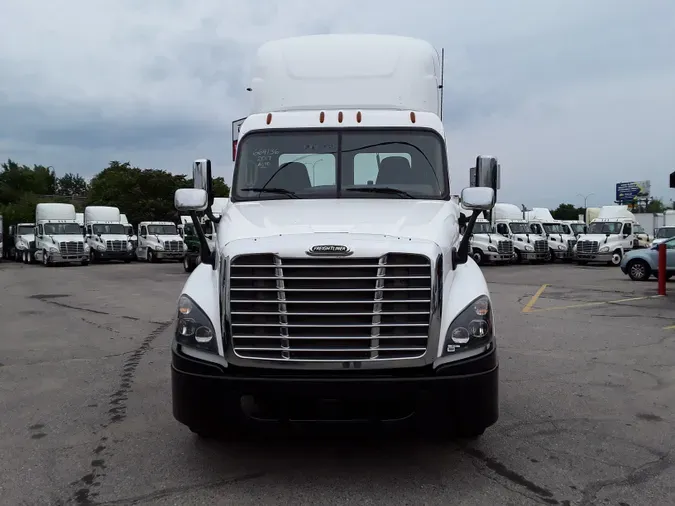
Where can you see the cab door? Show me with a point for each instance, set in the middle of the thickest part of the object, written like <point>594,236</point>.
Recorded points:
<point>142,250</point>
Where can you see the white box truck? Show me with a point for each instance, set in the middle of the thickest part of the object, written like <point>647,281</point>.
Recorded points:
<point>105,234</point>
<point>58,238</point>
<point>339,286</point>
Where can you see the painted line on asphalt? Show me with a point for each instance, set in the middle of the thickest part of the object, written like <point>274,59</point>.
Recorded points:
<point>533,299</point>
<point>670,327</point>
<point>592,304</point>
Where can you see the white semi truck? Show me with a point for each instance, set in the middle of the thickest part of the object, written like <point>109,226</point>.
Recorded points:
<point>560,243</point>
<point>609,236</point>
<point>527,245</point>
<point>159,240</point>
<point>105,234</point>
<point>58,237</point>
<point>488,246</point>
<point>22,242</point>
<point>338,277</point>
<point>131,234</point>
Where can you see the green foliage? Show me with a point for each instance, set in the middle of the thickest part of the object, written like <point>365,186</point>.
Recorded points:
<point>567,212</point>
<point>142,194</point>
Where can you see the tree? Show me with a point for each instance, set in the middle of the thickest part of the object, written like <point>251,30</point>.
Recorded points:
<point>71,185</point>
<point>567,212</point>
<point>655,206</point>
<point>220,188</point>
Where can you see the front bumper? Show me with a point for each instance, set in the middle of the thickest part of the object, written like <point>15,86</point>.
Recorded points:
<point>533,255</point>
<point>594,257</point>
<point>493,257</point>
<point>170,255</point>
<point>57,258</point>
<point>465,391</point>
<point>114,255</point>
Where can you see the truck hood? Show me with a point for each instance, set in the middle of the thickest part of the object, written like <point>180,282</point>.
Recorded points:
<point>494,238</point>
<point>393,217</point>
<point>597,237</point>
<point>532,237</point>
<point>164,238</point>
<point>27,237</point>
<point>114,237</point>
<point>67,238</point>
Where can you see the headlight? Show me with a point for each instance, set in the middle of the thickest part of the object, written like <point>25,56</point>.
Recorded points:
<point>159,247</point>
<point>194,329</point>
<point>492,248</point>
<point>471,328</point>
<point>529,248</point>
<point>604,249</point>
<point>100,246</point>
<point>53,249</point>
<point>561,247</point>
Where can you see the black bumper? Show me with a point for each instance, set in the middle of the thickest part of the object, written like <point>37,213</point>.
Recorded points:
<point>114,255</point>
<point>466,391</point>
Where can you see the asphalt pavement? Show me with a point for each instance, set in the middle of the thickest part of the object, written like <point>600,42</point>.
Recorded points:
<point>587,364</point>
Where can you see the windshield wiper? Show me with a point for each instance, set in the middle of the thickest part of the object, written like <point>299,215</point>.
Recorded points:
<point>382,189</point>
<point>281,191</point>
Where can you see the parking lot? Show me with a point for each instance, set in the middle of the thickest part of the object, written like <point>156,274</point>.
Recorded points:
<point>587,396</point>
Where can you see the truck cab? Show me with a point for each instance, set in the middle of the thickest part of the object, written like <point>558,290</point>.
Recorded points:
<point>193,254</point>
<point>574,228</point>
<point>606,241</point>
<point>22,242</point>
<point>560,244</point>
<point>130,233</point>
<point>58,236</point>
<point>338,287</point>
<point>526,244</point>
<point>159,240</point>
<point>488,247</point>
<point>106,235</point>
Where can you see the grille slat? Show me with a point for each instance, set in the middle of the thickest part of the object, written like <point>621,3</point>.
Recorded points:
<point>71,249</point>
<point>505,247</point>
<point>540,246</point>
<point>173,246</point>
<point>587,247</point>
<point>116,245</point>
<point>328,310</point>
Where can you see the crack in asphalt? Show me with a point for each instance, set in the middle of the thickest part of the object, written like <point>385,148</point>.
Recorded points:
<point>85,492</point>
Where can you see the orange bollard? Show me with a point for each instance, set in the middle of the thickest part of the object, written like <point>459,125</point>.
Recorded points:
<point>662,268</point>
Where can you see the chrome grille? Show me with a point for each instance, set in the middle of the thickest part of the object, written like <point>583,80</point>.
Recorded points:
<point>173,246</point>
<point>330,310</point>
<point>587,247</point>
<point>540,246</point>
<point>505,247</point>
<point>116,245</point>
<point>71,249</point>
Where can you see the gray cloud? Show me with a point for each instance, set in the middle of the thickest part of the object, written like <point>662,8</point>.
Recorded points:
<point>571,95</point>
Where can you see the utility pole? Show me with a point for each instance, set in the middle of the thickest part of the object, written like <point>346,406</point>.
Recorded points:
<point>585,197</point>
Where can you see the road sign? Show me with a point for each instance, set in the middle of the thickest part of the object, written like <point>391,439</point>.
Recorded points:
<point>236,126</point>
<point>629,191</point>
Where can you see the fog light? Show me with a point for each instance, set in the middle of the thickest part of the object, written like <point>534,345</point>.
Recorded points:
<point>478,328</point>
<point>203,335</point>
<point>460,335</point>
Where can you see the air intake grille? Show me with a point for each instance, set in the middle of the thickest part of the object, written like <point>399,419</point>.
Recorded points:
<point>505,247</point>
<point>116,245</point>
<point>540,246</point>
<point>71,249</point>
<point>587,247</point>
<point>330,310</point>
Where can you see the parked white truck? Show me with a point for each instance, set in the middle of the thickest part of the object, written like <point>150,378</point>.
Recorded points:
<point>338,277</point>
<point>560,243</point>
<point>159,240</point>
<point>105,234</point>
<point>609,236</point>
<point>22,242</point>
<point>58,237</point>
<point>131,234</point>
<point>488,246</point>
<point>509,222</point>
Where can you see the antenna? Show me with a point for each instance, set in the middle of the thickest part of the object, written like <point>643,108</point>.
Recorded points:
<point>442,78</point>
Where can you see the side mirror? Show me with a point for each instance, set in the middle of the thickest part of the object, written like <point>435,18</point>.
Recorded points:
<point>201,177</point>
<point>478,198</point>
<point>488,172</point>
<point>190,199</point>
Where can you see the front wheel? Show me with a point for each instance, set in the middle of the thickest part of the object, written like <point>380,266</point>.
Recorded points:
<point>477,256</point>
<point>616,257</point>
<point>639,270</point>
<point>551,255</point>
<point>517,257</point>
<point>188,266</point>
<point>150,256</point>
<point>45,258</point>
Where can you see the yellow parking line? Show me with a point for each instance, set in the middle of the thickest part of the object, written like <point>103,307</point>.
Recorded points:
<point>533,300</point>
<point>592,304</point>
<point>671,327</point>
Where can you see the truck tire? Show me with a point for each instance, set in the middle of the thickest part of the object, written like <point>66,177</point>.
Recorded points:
<point>616,258</point>
<point>188,264</point>
<point>477,256</point>
<point>45,259</point>
<point>518,258</point>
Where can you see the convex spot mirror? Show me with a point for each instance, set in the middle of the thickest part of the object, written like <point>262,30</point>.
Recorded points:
<point>190,199</point>
<point>478,198</point>
<point>201,177</point>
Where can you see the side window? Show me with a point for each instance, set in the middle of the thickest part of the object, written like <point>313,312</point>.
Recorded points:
<point>366,166</point>
<point>88,229</point>
<point>502,228</point>
<point>670,244</point>
<point>41,230</point>
<point>627,229</point>
<point>320,167</point>
<point>144,230</point>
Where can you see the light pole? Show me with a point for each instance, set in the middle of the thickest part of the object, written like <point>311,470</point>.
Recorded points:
<point>585,197</point>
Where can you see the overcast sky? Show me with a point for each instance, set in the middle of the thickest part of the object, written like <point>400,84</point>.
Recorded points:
<point>572,96</point>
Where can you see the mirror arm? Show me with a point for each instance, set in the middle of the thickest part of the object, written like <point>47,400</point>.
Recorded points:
<point>204,250</point>
<point>461,255</point>
<point>213,218</point>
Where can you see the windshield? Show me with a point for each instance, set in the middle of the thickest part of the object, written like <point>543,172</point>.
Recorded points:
<point>162,230</point>
<point>535,228</point>
<point>328,164</point>
<point>128,229</point>
<point>24,230</point>
<point>578,228</point>
<point>665,233</point>
<point>554,228</point>
<point>62,229</point>
<point>481,228</point>
<point>605,227</point>
<point>520,228</point>
<point>108,228</point>
<point>638,229</point>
